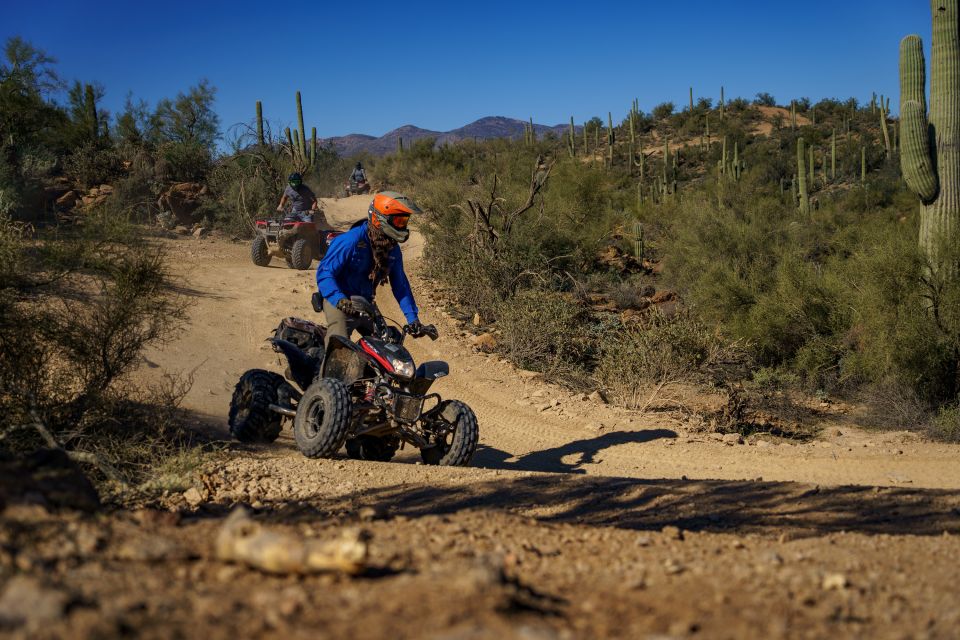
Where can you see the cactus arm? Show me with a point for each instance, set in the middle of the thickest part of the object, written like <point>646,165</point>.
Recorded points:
<point>915,160</point>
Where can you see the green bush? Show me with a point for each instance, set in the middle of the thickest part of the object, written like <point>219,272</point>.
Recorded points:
<point>637,358</point>
<point>546,331</point>
<point>92,164</point>
<point>945,425</point>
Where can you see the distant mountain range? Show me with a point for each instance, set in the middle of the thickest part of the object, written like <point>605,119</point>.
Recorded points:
<point>483,129</point>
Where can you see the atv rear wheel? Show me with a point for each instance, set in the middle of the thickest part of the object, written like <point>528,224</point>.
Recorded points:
<point>456,446</point>
<point>300,254</point>
<point>260,252</point>
<point>323,418</point>
<point>250,418</point>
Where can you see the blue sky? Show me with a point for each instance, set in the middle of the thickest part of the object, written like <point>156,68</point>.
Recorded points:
<point>373,66</point>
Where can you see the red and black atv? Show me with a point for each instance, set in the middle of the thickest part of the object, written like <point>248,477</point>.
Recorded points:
<point>294,237</point>
<point>368,395</point>
<point>357,187</point>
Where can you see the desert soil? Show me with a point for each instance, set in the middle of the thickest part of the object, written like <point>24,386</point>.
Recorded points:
<point>576,520</point>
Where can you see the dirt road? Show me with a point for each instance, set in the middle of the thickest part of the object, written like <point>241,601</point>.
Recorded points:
<point>563,528</point>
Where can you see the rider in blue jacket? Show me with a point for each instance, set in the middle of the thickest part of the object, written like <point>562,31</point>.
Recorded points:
<point>360,260</point>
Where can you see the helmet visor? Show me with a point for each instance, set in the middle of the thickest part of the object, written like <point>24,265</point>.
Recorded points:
<point>399,221</point>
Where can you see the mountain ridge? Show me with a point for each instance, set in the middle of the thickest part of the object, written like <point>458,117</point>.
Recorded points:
<point>484,128</point>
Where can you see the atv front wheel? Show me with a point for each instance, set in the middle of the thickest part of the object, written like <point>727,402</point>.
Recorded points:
<point>323,418</point>
<point>455,446</point>
<point>300,254</point>
<point>250,418</point>
<point>260,252</point>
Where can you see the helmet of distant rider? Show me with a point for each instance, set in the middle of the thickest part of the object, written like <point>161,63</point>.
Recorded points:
<point>295,180</point>
<point>390,212</point>
<point>359,166</point>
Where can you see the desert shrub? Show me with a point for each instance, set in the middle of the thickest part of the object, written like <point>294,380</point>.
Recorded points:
<point>545,331</point>
<point>945,425</point>
<point>184,161</point>
<point>92,164</point>
<point>77,308</point>
<point>637,358</point>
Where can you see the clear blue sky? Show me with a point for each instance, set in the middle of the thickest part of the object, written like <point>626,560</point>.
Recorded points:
<point>369,67</point>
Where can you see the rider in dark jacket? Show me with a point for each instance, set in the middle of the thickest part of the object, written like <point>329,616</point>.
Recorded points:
<point>299,196</point>
<point>358,174</point>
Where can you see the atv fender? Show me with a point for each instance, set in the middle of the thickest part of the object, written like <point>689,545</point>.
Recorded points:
<point>303,367</point>
<point>426,373</point>
<point>343,361</point>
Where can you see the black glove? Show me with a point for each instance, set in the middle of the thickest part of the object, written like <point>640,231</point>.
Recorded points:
<point>346,305</point>
<point>414,329</point>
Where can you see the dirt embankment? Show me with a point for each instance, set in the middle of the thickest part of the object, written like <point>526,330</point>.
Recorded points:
<point>577,521</point>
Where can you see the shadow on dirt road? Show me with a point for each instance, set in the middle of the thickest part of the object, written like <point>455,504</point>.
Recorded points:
<point>765,508</point>
<point>552,459</point>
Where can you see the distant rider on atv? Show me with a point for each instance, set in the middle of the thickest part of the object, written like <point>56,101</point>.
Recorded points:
<point>363,258</point>
<point>302,201</point>
<point>358,174</point>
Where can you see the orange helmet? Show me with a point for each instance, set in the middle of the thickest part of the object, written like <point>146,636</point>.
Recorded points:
<point>390,212</point>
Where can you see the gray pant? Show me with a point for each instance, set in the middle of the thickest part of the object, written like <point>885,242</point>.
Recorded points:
<point>338,323</point>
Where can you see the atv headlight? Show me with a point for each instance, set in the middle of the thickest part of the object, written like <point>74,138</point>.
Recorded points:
<point>403,368</point>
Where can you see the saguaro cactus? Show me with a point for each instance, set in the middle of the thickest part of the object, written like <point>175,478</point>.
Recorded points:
<point>930,145</point>
<point>833,155</point>
<point>572,139</point>
<point>260,140</point>
<point>802,178</point>
<point>610,137</point>
<point>302,142</point>
<point>90,104</point>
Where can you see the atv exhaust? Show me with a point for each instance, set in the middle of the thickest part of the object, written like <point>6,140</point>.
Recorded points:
<point>284,411</point>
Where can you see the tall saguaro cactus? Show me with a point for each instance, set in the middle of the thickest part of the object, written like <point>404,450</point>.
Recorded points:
<point>302,141</point>
<point>90,104</point>
<point>930,145</point>
<point>802,178</point>
<point>260,140</point>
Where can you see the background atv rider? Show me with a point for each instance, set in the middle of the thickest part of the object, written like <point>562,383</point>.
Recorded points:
<point>358,175</point>
<point>360,260</point>
<point>302,201</point>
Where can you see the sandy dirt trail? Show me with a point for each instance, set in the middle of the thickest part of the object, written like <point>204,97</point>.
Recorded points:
<point>236,305</point>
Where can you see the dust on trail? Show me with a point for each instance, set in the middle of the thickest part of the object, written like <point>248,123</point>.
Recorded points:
<point>639,531</point>
<point>236,305</point>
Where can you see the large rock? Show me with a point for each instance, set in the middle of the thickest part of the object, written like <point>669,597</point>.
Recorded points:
<point>484,342</point>
<point>68,200</point>
<point>48,478</point>
<point>182,200</point>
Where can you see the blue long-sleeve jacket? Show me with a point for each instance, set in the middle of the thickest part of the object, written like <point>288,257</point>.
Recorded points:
<point>345,271</point>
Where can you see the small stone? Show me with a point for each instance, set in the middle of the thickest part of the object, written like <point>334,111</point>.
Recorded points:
<point>476,320</point>
<point>546,406</point>
<point>834,582</point>
<point>199,232</point>
<point>596,396</point>
<point>731,439</point>
<point>26,602</point>
<point>672,567</point>
<point>672,533</point>
<point>370,513</point>
<point>485,342</point>
<point>193,497</point>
